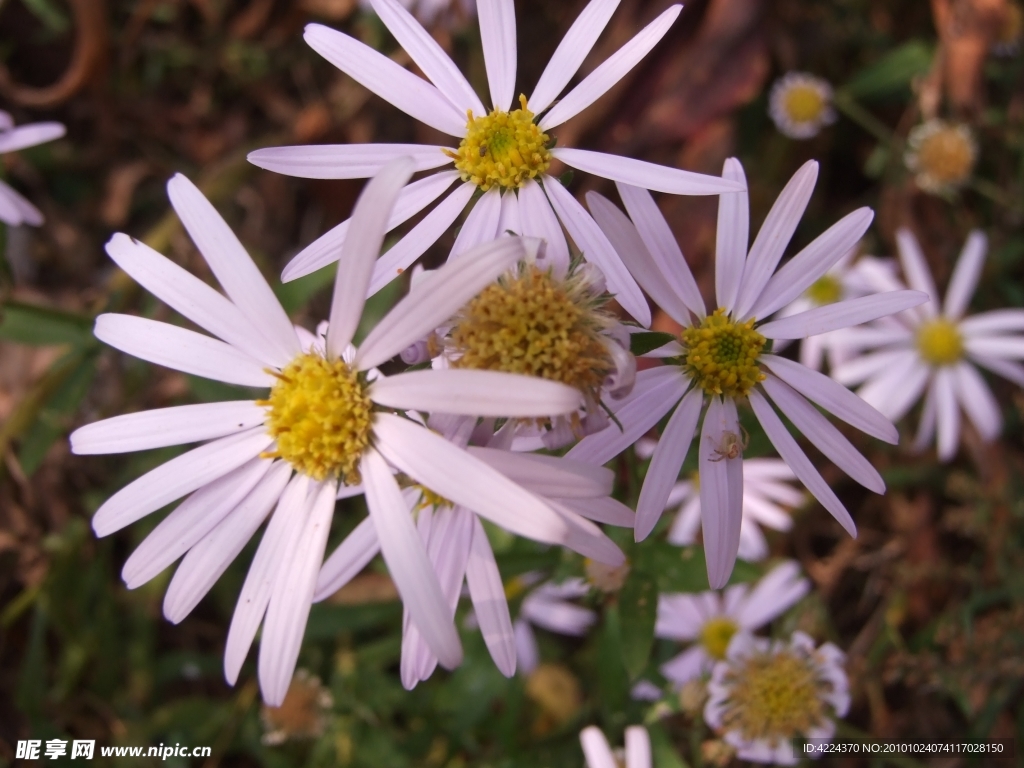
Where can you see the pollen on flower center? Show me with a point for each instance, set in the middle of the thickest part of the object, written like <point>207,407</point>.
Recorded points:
<point>320,415</point>
<point>825,290</point>
<point>716,634</point>
<point>804,103</point>
<point>939,342</point>
<point>941,154</point>
<point>774,696</point>
<point>503,148</point>
<point>535,324</point>
<point>721,354</point>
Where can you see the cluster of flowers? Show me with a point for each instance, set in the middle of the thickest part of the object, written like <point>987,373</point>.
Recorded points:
<point>512,348</point>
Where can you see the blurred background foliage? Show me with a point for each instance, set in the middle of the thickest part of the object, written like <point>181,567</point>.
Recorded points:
<point>928,602</point>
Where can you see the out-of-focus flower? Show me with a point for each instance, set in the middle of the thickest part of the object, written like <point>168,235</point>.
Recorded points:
<point>1011,31</point>
<point>549,607</point>
<point>329,418</point>
<point>800,104</point>
<point>504,152</point>
<point>711,619</point>
<point>302,714</point>
<point>934,349</point>
<point>765,693</point>
<point>721,359</point>
<point>14,208</point>
<point>941,155</point>
<point>599,754</point>
<point>556,690</point>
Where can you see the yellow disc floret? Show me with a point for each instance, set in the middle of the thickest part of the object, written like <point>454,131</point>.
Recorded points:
<point>320,415</point>
<point>503,148</point>
<point>942,155</point>
<point>535,324</point>
<point>716,634</point>
<point>825,290</point>
<point>939,342</point>
<point>804,103</point>
<point>721,355</point>
<point>775,696</point>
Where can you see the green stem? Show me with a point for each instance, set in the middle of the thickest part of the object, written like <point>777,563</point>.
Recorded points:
<point>855,112</point>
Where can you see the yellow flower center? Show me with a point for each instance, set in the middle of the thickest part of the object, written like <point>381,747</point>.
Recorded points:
<point>534,324</point>
<point>429,498</point>
<point>721,354</point>
<point>804,103</point>
<point>774,696</point>
<point>939,342</point>
<point>716,634</point>
<point>320,415</point>
<point>503,148</point>
<point>946,156</point>
<point>606,577</point>
<point>825,290</point>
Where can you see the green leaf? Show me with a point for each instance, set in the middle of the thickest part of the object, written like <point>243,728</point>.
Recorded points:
<point>611,676</point>
<point>638,605</point>
<point>662,750</point>
<point>892,73</point>
<point>679,569</point>
<point>42,327</point>
<point>646,341</point>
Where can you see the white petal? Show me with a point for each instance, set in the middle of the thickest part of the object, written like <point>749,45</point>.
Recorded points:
<point>191,297</point>
<point>191,521</point>
<point>681,616</point>
<point>733,236</point>
<point>476,393</point>
<point>416,242</point>
<point>456,475</point>
<point>180,349</point>
<point>602,510</point>
<point>864,367</point>
<point>595,748</point>
<point>176,478</point>
<point>775,234</point>
<point>597,250</point>
<point>948,414</point>
<point>662,245</point>
<point>667,461</point>
<point>30,135</point>
<point>488,595</point>
<point>166,426</point>
<point>833,397</point>
<point>351,556</point>
<point>429,56</point>
<point>229,262</point>
<point>721,490</point>
<point>800,272</point>
<point>656,392</point>
<point>896,390</point>
<point>434,301</point>
<point>211,556</point>
<point>279,541</point>
<point>978,402</point>
<point>407,561</point>
<point>611,71</point>
<point>292,598</point>
<point>527,653</point>
<point>481,225</point>
<point>498,37</point>
<point>639,173</point>
<point>572,50</point>
<point>413,199</point>
<point>916,271</point>
<point>539,220</point>
<point>629,246</point>
<point>509,221</point>
<point>345,161</point>
<point>1005,368</point>
<point>1009,347</point>
<point>548,475</point>
<point>825,437</point>
<point>588,539</point>
<point>842,314</point>
<point>994,322</point>
<point>926,426</point>
<point>798,461</point>
<point>16,210</point>
<point>779,590</point>
<point>686,666</point>
<point>360,251</point>
<point>966,275</point>
<point>375,71</point>
<point>638,747</point>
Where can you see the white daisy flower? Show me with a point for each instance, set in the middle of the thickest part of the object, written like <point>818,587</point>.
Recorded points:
<point>15,209</point>
<point>800,104</point>
<point>599,754</point>
<point>766,693</point>
<point>850,278</point>
<point>722,358</point>
<point>505,152</point>
<point>710,620</point>
<point>941,155</point>
<point>548,606</point>
<point>935,350</point>
<point>326,417</point>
